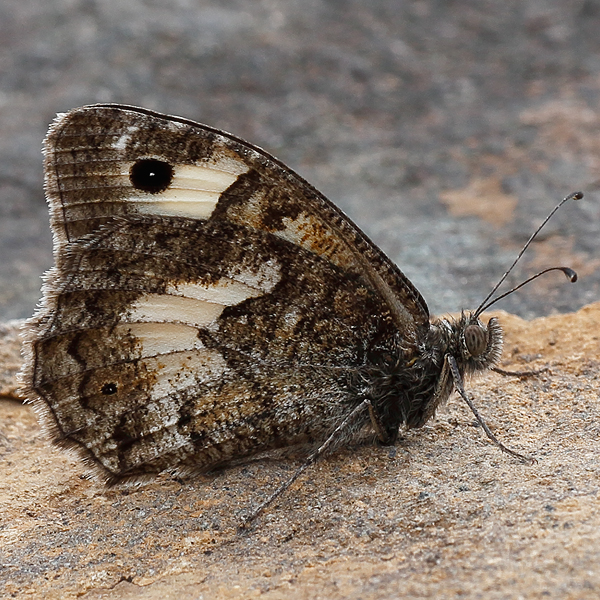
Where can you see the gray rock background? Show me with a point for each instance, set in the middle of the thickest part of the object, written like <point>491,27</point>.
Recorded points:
<point>446,130</point>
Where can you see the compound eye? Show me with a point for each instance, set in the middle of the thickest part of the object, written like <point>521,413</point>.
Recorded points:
<point>476,340</point>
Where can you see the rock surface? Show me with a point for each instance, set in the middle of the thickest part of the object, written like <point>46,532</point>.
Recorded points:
<point>444,514</point>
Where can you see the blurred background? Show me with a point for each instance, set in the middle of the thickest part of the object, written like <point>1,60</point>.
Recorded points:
<point>445,130</point>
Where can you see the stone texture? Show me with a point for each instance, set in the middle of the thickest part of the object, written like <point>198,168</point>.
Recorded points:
<point>444,515</point>
<point>447,130</point>
<point>10,358</point>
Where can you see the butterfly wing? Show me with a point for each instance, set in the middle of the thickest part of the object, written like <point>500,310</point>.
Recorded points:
<point>206,304</point>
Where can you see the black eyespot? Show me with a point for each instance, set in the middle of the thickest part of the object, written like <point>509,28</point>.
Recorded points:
<point>151,175</point>
<point>108,389</point>
<point>476,340</point>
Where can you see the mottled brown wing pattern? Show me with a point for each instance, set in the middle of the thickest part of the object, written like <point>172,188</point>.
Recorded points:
<point>207,304</point>
<point>90,153</point>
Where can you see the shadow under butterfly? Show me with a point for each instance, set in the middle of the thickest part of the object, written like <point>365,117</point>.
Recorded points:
<point>208,305</point>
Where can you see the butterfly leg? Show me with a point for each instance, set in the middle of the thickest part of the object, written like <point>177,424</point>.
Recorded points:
<point>451,362</point>
<point>520,373</point>
<point>387,435</point>
<point>309,461</point>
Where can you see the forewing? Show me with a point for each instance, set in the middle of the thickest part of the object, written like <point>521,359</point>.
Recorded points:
<point>211,320</point>
<point>90,153</point>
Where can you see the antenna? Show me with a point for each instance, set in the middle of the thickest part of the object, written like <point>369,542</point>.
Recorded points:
<point>571,275</point>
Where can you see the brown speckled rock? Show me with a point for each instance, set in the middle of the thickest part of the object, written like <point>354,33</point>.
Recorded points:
<point>10,357</point>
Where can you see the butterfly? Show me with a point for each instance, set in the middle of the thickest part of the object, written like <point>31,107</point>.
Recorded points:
<point>208,305</point>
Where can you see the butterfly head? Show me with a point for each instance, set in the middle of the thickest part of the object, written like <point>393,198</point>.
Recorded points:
<point>480,344</point>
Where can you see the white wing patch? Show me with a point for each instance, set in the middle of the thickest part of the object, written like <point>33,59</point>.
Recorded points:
<point>186,369</point>
<point>265,279</point>
<point>165,326</point>
<point>200,305</point>
<point>307,231</point>
<point>163,308</point>
<point>194,191</point>
<point>121,142</point>
<point>230,291</point>
<point>226,291</point>
<point>154,339</point>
